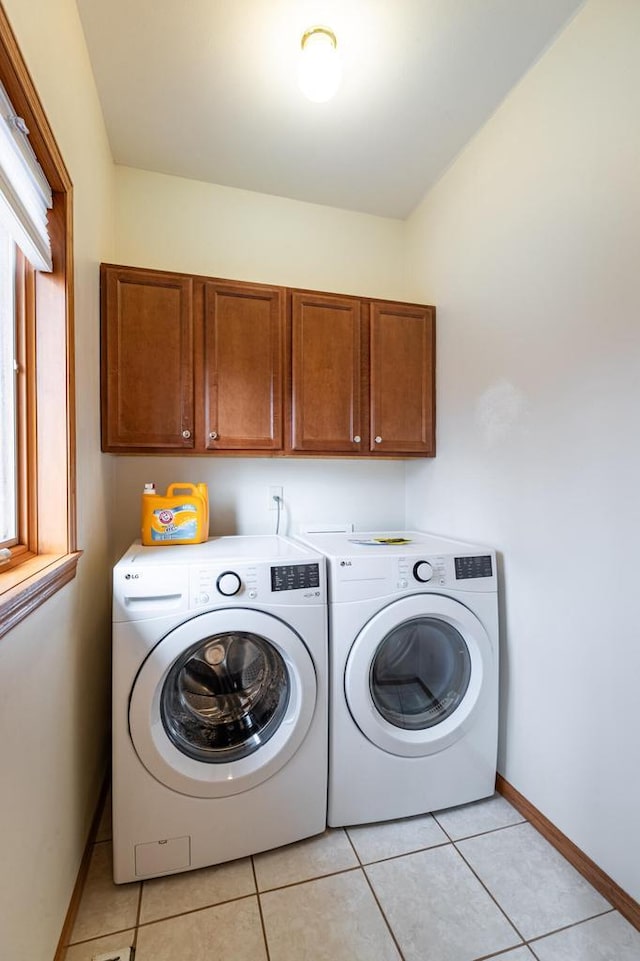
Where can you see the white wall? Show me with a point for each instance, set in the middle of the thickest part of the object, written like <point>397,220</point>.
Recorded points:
<point>314,492</point>
<point>54,667</point>
<point>530,246</point>
<point>174,224</point>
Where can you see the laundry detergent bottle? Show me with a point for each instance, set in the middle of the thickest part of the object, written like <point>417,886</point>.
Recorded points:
<point>181,516</point>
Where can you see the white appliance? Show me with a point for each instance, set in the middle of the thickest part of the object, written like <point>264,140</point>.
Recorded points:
<point>413,651</point>
<point>219,702</point>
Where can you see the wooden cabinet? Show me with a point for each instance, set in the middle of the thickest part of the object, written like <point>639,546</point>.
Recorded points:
<point>201,365</point>
<point>243,367</point>
<point>147,360</point>
<point>362,376</point>
<point>168,339</point>
<point>402,379</point>
<point>326,375</point>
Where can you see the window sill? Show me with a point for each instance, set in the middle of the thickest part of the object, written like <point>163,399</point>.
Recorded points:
<point>27,586</point>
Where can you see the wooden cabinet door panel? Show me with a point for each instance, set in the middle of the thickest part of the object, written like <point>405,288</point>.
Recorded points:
<point>243,366</point>
<point>402,379</point>
<point>326,373</point>
<point>147,360</point>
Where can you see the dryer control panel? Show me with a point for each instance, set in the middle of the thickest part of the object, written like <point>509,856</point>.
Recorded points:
<point>358,578</point>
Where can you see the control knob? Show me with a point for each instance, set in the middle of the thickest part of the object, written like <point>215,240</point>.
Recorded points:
<point>422,571</point>
<point>228,583</point>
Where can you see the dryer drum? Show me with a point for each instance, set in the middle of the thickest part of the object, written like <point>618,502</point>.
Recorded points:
<point>225,697</point>
<point>420,673</point>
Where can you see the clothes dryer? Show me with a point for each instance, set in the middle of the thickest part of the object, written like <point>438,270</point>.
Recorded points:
<point>219,702</point>
<point>413,649</point>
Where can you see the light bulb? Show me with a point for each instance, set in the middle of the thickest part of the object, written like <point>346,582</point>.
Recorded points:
<point>320,70</point>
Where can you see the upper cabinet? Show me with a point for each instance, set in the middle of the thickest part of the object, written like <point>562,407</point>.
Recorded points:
<point>204,365</point>
<point>243,367</point>
<point>362,376</point>
<point>326,373</point>
<point>147,360</point>
<point>402,379</point>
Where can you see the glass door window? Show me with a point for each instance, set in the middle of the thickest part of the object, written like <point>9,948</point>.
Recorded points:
<point>225,696</point>
<point>420,673</point>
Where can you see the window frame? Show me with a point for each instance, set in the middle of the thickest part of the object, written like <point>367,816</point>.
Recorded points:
<point>26,543</point>
<point>48,557</point>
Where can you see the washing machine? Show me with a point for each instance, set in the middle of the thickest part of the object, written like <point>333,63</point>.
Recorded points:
<point>219,702</point>
<point>413,650</point>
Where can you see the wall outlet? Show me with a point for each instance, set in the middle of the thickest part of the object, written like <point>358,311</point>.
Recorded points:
<point>275,492</point>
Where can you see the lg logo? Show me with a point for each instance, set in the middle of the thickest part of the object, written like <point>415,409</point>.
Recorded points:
<point>131,577</point>
<point>345,564</point>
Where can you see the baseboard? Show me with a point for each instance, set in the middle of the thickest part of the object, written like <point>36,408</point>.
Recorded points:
<point>83,870</point>
<point>605,885</point>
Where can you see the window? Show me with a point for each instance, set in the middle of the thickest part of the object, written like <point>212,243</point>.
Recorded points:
<point>18,408</point>
<point>37,469</point>
<point>8,413</point>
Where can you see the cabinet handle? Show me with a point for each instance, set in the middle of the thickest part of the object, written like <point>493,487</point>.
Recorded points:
<point>357,439</point>
<point>213,435</point>
<point>378,439</point>
<point>186,434</point>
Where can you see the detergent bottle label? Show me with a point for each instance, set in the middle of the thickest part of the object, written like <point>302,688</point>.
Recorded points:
<point>174,523</point>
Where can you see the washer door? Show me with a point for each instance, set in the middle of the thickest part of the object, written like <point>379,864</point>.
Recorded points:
<point>222,702</point>
<point>414,675</point>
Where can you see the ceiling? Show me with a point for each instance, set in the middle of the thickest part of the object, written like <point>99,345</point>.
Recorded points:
<point>208,91</point>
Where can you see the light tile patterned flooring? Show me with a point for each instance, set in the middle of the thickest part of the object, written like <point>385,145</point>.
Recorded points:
<point>471,883</point>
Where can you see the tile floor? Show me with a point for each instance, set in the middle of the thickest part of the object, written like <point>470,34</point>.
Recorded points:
<point>470,883</point>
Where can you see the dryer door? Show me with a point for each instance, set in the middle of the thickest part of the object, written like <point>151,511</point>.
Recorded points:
<point>417,673</point>
<point>222,702</point>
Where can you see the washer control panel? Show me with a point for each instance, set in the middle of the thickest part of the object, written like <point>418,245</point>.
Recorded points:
<point>266,583</point>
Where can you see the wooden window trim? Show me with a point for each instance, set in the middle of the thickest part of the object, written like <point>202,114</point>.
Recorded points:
<point>48,557</point>
<point>27,397</point>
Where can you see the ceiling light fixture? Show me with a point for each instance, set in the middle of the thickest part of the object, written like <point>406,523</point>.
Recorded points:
<point>320,70</point>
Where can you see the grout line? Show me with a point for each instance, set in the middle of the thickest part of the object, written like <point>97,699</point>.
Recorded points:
<point>479,834</point>
<point>533,952</point>
<point>354,848</point>
<point>442,828</point>
<point>316,877</point>
<point>384,917</point>
<point>498,905</point>
<point>429,847</point>
<point>374,895</point>
<point>538,937</point>
<point>502,953</point>
<point>567,927</point>
<point>138,915</point>
<point>97,937</point>
<point>204,907</point>
<point>264,930</point>
<point>406,854</point>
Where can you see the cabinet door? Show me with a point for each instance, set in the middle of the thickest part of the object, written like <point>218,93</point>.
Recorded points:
<point>243,366</point>
<point>326,373</point>
<point>147,360</point>
<point>402,379</point>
